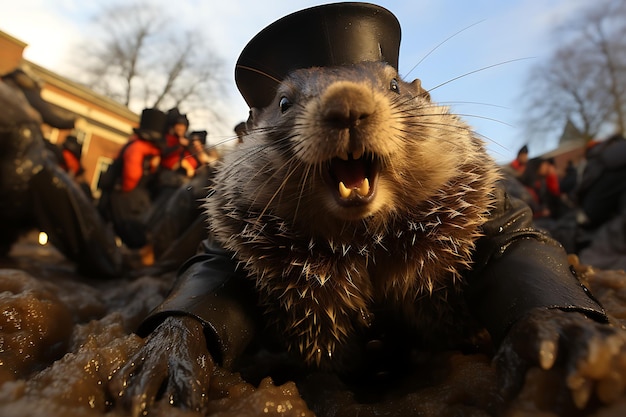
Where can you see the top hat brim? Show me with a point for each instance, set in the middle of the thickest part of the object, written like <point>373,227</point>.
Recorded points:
<point>328,35</point>
<point>148,135</point>
<point>152,124</point>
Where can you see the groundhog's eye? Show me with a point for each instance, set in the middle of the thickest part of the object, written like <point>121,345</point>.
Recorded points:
<point>284,104</point>
<point>394,85</point>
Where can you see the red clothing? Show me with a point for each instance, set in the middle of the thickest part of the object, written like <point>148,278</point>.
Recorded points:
<point>135,156</point>
<point>552,184</point>
<point>72,164</point>
<point>175,153</point>
<point>171,141</point>
<point>518,166</point>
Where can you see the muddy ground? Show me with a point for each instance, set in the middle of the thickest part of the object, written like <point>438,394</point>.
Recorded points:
<point>62,336</point>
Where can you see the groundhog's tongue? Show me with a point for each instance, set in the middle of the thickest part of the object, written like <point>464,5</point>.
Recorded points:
<point>351,175</point>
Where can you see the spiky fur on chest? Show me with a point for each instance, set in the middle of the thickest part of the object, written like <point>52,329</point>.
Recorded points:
<point>319,292</point>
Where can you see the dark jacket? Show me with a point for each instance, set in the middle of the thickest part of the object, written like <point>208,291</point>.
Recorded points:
<point>602,191</point>
<point>35,192</point>
<point>516,269</point>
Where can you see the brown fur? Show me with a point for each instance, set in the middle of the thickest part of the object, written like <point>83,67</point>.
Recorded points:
<point>320,266</point>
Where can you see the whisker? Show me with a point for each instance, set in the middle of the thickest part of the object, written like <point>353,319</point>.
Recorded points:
<point>494,142</point>
<point>280,188</point>
<point>302,187</point>
<point>412,120</point>
<point>253,152</point>
<point>221,142</point>
<point>441,43</point>
<point>478,70</point>
<point>258,72</point>
<point>476,116</point>
<point>478,103</point>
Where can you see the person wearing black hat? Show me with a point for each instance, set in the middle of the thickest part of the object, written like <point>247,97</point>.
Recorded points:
<point>197,140</point>
<point>178,156</point>
<point>71,151</point>
<point>143,155</point>
<point>127,197</point>
<point>212,312</point>
<point>183,155</point>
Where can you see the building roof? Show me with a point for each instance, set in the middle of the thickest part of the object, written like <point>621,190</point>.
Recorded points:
<point>81,91</point>
<point>13,40</point>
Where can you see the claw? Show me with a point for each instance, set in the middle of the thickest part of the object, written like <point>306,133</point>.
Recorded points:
<point>547,354</point>
<point>581,394</point>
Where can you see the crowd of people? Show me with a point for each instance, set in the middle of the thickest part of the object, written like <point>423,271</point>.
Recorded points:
<point>161,161</point>
<point>585,206</point>
<point>148,213</point>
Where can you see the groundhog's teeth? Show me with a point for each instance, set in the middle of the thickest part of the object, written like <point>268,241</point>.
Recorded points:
<point>343,190</point>
<point>363,190</point>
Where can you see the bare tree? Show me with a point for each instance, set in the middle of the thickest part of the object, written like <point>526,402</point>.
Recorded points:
<point>137,57</point>
<point>565,88</point>
<point>584,80</point>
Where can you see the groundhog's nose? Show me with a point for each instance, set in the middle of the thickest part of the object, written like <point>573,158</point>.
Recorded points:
<point>346,105</point>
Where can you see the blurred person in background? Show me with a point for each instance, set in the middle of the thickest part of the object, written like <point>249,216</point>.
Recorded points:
<point>36,193</point>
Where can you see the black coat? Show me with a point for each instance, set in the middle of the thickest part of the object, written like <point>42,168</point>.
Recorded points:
<point>516,268</point>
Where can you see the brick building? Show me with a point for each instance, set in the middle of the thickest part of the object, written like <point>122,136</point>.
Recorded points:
<point>103,125</point>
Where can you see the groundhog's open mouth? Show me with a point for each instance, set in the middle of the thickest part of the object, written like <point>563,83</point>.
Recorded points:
<point>352,178</point>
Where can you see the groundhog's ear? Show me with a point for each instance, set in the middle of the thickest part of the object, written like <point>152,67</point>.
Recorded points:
<point>419,90</point>
<point>252,116</point>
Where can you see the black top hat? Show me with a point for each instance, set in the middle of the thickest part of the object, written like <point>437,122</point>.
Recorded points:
<point>199,135</point>
<point>151,125</point>
<point>174,117</point>
<point>327,35</point>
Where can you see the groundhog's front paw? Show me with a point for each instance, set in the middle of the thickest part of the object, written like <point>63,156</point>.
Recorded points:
<point>590,356</point>
<point>173,364</point>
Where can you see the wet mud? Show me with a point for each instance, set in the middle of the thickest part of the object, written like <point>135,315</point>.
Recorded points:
<point>62,337</point>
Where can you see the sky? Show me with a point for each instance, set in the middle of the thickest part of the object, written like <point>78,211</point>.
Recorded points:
<point>474,55</point>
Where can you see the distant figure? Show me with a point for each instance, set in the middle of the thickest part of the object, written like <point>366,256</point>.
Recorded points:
<point>520,161</point>
<point>198,147</point>
<point>127,186</point>
<point>178,162</point>
<point>569,181</point>
<point>36,193</point>
<point>72,153</point>
<point>512,174</point>
<point>541,181</point>
<point>602,191</point>
<point>552,196</point>
<point>602,199</point>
